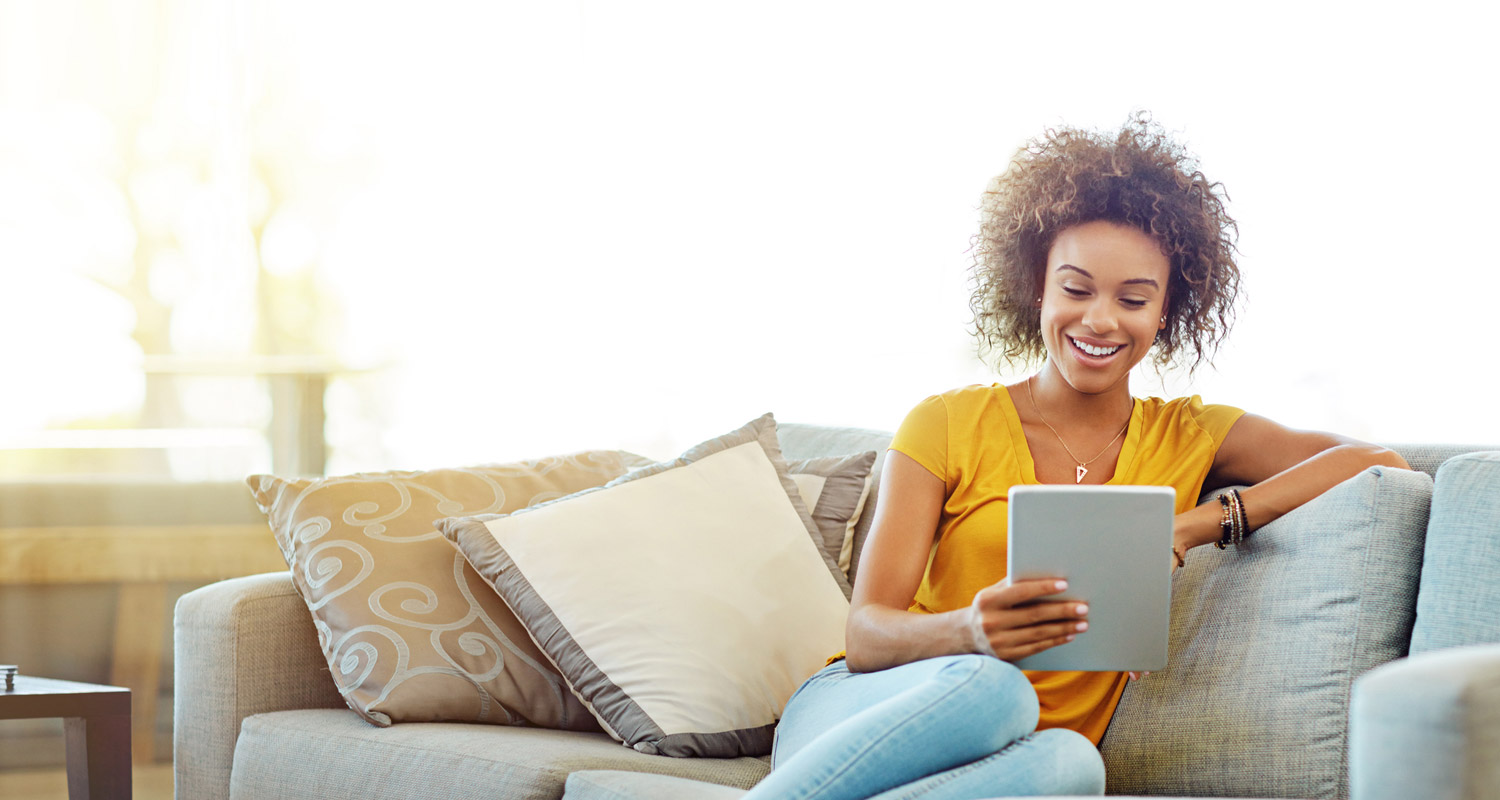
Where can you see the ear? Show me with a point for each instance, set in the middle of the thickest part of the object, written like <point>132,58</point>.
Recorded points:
<point>1161,326</point>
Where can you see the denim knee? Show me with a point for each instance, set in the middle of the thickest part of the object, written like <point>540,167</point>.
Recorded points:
<point>999,692</point>
<point>1078,767</point>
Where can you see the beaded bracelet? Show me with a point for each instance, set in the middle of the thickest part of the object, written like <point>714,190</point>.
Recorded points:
<point>1234,523</point>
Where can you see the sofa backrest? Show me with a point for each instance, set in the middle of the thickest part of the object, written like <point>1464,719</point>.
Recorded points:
<point>1429,458</point>
<point>802,440</point>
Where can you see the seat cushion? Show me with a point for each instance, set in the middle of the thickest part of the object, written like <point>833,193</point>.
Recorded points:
<point>1265,643</point>
<point>332,754</point>
<point>618,785</point>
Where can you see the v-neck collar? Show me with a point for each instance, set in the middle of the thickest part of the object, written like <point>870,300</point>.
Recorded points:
<point>1123,467</point>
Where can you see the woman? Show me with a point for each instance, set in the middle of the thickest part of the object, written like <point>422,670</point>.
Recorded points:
<point>1093,251</point>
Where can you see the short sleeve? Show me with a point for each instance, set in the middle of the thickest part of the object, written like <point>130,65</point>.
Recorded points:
<point>923,436</point>
<point>1215,420</point>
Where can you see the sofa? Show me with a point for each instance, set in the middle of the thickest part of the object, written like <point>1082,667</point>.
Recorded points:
<point>1346,650</point>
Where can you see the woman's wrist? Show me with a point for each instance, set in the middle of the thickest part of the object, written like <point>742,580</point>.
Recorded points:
<point>979,641</point>
<point>1196,526</point>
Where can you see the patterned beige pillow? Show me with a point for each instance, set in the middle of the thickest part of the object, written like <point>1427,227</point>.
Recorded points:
<point>411,632</point>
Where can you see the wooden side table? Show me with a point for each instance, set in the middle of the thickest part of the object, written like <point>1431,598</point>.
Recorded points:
<point>96,723</point>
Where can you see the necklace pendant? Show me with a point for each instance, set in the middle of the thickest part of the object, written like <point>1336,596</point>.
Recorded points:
<point>1082,471</point>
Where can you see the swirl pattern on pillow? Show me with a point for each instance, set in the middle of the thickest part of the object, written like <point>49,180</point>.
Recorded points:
<point>410,631</point>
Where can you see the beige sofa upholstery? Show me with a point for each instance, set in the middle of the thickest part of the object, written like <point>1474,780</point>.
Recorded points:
<point>258,717</point>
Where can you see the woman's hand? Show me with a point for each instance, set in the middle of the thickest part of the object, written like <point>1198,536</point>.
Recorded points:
<point>1011,620</point>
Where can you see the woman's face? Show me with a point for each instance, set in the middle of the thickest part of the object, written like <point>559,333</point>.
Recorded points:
<point>1104,294</point>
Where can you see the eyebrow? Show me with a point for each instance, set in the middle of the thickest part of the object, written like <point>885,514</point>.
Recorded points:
<point>1085,273</point>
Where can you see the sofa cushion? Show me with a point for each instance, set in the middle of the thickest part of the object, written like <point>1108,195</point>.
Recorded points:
<point>410,631</point>
<point>621,785</point>
<point>835,490</point>
<point>684,602</point>
<point>331,754</point>
<point>1461,570</point>
<point>801,440</point>
<point>1265,643</point>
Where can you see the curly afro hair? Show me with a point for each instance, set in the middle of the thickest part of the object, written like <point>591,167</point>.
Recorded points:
<point>1137,177</point>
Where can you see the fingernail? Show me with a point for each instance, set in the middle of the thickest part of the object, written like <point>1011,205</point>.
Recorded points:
<point>1082,609</point>
<point>1070,637</point>
<point>1060,585</point>
<point>1082,626</point>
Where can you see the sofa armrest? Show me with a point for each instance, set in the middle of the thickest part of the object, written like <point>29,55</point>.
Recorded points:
<point>242,646</point>
<point>1428,726</point>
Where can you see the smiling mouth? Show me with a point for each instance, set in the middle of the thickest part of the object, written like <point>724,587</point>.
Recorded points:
<point>1096,352</point>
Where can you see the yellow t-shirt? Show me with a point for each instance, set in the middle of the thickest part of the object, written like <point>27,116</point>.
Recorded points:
<point>972,439</point>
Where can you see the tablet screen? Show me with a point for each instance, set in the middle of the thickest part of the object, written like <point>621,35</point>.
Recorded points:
<point>1113,544</point>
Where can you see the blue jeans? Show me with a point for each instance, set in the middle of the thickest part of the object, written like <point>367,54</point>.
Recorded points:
<point>950,728</point>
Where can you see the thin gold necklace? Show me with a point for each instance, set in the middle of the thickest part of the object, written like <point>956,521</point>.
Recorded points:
<point>1082,465</point>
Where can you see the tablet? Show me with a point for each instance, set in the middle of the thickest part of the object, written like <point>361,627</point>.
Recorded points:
<point>1113,544</point>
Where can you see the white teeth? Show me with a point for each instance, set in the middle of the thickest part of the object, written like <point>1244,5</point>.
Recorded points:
<point>1091,350</point>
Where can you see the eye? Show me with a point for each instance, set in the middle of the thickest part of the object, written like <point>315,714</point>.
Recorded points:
<point>1072,292</point>
<point>1131,303</point>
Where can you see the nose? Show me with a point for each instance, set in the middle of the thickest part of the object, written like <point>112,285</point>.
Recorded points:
<point>1099,317</point>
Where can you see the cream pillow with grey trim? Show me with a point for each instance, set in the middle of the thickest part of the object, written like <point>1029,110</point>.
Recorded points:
<point>835,490</point>
<point>684,602</point>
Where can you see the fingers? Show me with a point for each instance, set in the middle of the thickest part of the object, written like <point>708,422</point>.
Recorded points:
<point>1012,621</point>
<point>1007,594</point>
<point>998,629</point>
<point>1019,651</point>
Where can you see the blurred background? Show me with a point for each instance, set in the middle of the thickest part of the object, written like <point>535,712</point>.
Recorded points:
<point>321,237</point>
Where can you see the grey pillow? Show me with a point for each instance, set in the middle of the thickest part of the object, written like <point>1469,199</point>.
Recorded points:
<point>800,440</point>
<point>840,488</point>
<point>1265,644</point>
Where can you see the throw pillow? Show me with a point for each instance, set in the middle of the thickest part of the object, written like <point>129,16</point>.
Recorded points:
<point>684,602</point>
<point>835,489</point>
<point>1265,644</point>
<point>409,630</point>
<point>1459,595</point>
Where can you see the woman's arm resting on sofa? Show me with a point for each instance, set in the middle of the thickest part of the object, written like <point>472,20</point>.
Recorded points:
<point>1283,469</point>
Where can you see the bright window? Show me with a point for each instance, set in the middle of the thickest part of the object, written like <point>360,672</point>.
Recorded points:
<point>500,230</point>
